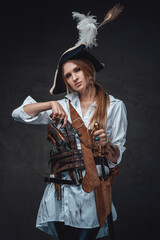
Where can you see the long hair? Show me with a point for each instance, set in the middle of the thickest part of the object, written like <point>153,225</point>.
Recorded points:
<point>102,101</point>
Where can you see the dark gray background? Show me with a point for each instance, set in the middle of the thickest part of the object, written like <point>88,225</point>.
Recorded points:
<point>33,36</point>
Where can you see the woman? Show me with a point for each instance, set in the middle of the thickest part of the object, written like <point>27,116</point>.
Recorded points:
<point>89,100</point>
<point>75,214</point>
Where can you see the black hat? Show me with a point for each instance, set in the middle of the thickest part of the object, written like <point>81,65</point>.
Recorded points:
<point>88,29</point>
<point>77,52</point>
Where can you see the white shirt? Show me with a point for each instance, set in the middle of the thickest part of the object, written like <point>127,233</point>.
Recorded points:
<point>77,208</point>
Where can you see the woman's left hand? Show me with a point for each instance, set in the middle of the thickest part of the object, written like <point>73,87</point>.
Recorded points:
<point>100,137</point>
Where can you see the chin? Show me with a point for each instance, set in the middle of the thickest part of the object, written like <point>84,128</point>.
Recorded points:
<point>79,89</point>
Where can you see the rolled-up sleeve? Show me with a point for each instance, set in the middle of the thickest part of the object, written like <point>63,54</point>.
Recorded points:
<point>119,129</point>
<point>20,115</point>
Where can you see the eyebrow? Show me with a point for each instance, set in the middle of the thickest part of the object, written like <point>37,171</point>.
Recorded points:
<point>72,69</point>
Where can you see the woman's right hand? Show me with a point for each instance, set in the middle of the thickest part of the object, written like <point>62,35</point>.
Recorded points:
<point>58,112</point>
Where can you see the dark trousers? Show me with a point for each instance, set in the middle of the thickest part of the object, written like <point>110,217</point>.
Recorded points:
<point>72,233</point>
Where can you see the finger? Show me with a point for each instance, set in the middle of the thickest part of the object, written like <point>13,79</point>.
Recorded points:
<point>102,135</point>
<point>103,141</point>
<point>65,121</point>
<point>98,132</point>
<point>56,114</point>
<point>62,115</point>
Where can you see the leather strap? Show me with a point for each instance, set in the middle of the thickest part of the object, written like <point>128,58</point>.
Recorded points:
<point>91,179</point>
<point>71,163</point>
<point>113,173</point>
<point>60,181</point>
<point>65,154</point>
<point>67,165</point>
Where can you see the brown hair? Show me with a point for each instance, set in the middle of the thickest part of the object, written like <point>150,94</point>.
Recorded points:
<point>102,101</point>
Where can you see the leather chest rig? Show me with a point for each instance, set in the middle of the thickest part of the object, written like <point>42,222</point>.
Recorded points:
<point>64,154</point>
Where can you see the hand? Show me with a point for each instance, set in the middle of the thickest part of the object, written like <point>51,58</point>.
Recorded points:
<point>58,112</point>
<point>102,137</point>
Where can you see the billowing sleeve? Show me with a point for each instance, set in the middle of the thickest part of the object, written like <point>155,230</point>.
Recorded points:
<point>19,115</point>
<point>118,129</point>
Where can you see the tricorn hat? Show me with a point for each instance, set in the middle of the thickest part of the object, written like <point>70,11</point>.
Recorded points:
<point>77,52</point>
<point>88,30</point>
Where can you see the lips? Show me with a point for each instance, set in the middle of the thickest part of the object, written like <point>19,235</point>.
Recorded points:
<point>78,84</point>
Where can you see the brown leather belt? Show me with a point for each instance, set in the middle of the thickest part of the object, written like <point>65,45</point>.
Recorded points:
<point>65,154</point>
<point>60,181</point>
<point>70,162</point>
<point>63,163</point>
<point>64,181</point>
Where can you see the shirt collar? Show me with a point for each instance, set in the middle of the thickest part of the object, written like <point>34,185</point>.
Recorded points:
<point>74,98</point>
<point>111,99</point>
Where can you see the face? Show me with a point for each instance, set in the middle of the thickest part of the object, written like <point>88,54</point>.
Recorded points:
<point>75,77</point>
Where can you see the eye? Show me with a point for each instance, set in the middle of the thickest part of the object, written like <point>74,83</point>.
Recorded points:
<point>77,69</point>
<point>68,76</point>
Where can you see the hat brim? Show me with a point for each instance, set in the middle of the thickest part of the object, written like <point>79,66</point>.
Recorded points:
<point>77,52</point>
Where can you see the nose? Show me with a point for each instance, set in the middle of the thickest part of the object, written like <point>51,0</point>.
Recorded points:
<point>74,77</point>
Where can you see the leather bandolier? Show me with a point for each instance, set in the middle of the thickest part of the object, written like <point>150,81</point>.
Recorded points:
<point>65,156</point>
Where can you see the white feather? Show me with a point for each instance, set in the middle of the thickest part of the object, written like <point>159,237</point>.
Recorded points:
<point>87,27</point>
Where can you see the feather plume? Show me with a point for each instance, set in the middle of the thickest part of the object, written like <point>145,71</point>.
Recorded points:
<point>111,14</point>
<point>87,27</point>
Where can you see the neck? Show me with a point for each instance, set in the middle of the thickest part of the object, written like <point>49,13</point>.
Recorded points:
<point>88,95</point>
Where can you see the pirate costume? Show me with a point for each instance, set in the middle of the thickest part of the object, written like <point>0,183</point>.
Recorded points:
<point>71,207</point>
